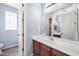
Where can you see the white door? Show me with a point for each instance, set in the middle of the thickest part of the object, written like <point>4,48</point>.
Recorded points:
<point>68,25</point>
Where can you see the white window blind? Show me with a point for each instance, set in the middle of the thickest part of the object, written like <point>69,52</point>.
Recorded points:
<point>10,20</point>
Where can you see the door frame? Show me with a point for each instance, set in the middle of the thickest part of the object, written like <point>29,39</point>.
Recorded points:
<point>25,30</point>
<point>20,29</point>
<point>23,18</point>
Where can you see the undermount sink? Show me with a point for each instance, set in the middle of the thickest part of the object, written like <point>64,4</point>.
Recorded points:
<point>55,41</point>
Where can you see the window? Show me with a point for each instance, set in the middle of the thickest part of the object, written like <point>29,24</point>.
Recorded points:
<point>10,20</point>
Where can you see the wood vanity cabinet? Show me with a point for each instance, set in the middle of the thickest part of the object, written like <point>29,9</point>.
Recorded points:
<point>40,49</point>
<point>35,48</point>
<point>44,50</point>
<point>54,52</point>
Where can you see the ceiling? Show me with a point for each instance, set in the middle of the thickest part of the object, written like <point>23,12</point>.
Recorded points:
<point>15,5</point>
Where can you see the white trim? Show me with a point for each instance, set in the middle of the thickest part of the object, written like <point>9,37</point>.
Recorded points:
<point>25,30</point>
<point>10,46</point>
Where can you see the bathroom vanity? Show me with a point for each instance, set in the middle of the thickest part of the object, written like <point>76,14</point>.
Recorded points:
<point>43,46</point>
<point>40,49</point>
<point>65,25</point>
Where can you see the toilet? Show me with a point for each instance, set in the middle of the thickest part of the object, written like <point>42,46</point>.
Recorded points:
<point>1,45</point>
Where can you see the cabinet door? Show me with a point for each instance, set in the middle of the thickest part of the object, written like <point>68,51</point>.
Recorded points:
<point>51,52</point>
<point>44,50</point>
<point>35,48</point>
<point>55,52</point>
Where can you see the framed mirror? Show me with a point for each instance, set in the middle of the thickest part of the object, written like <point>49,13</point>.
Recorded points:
<point>65,25</point>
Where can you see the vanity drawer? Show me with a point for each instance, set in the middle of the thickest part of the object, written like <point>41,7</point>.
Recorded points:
<point>45,47</point>
<point>55,52</point>
<point>44,52</point>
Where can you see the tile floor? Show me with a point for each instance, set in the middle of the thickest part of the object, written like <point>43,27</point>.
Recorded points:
<point>10,52</point>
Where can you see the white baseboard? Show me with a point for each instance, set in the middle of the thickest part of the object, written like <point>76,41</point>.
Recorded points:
<point>9,46</point>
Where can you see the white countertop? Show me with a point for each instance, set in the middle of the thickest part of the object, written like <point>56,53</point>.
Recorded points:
<point>67,46</point>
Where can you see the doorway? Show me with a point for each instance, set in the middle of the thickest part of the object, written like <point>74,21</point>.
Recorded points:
<point>11,29</point>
